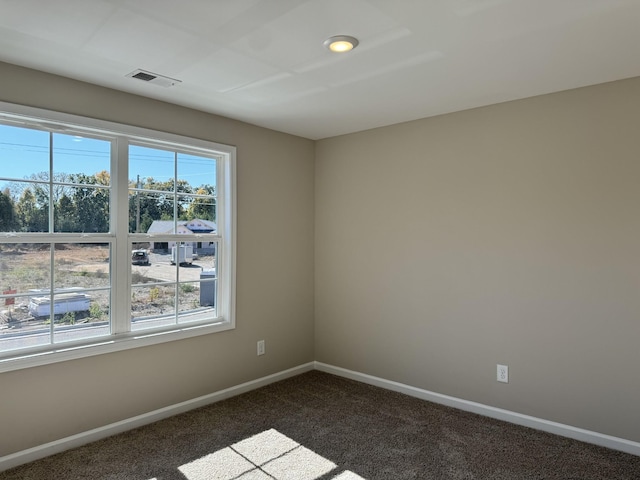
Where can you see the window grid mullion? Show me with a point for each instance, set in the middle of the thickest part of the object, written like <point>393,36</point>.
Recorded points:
<point>120,268</point>
<point>52,280</point>
<point>51,215</point>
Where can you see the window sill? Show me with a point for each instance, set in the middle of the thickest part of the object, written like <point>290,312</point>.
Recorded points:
<point>109,344</point>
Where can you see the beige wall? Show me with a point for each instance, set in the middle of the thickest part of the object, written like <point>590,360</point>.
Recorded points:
<point>506,234</point>
<point>274,279</point>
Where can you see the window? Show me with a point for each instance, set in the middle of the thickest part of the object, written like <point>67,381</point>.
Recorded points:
<point>111,237</point>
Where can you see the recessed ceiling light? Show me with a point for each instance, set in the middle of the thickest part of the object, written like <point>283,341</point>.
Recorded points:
<point>341,43</point>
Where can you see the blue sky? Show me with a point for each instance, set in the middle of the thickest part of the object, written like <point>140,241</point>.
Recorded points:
<point>25,151</point>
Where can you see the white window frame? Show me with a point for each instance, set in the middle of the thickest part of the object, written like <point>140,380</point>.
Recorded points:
<point>122,338</point>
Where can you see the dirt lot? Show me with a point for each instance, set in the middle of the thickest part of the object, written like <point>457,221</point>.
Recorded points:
<point>26,267</point>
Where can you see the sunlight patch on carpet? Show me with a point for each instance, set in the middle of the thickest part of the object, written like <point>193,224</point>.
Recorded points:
<point>266,456</point>
<point>348,475</point>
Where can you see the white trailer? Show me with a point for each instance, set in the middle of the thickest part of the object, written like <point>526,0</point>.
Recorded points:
<point>182,254</point>
<point>62,303</point>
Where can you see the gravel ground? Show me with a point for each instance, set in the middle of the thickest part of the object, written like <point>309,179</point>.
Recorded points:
<point>87,267</point>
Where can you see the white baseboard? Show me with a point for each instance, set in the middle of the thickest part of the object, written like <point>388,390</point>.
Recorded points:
<point>57,446</point>
<point>51,448</point>
<point>568,431</point>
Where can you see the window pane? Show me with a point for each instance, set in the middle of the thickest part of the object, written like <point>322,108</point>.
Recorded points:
<point>201,210</point>
<point>197,300</point>
<point>24,270</point>
<point>24,206</point>
<point>198,282</point>
<point>25,267</point>
<point>79,314</point>
<point>23,152</point>
<point>82,209</point>
<point>81,296</point>
<point>206,256</point>
<point>185,271</point>
<point>81,159</point>
<point>155,201</point>
<point>151,212</point>
<point>196,171</point>
<point>26,209</point>
<point>153,167</point>
<point>153,290</point>
<point>18,332</point>
<point>81,265</point>
<point>147,267</point>
<point>153,306</point>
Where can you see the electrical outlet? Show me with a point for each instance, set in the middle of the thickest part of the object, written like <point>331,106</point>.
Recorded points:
<point>503,373</point>
<point>260,347</point>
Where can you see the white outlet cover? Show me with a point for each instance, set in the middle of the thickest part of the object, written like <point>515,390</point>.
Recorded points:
<point>503,373</point>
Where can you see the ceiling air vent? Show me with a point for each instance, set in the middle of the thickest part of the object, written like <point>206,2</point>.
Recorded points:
<point>153,78</point>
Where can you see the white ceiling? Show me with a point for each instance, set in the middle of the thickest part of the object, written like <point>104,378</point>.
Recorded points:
<point>263,62</point>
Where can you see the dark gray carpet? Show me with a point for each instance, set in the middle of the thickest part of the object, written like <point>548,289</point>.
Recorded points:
<point>319,426</point>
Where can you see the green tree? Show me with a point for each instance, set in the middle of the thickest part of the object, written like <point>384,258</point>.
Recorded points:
<point>34,197</point>
<point>66,215</point>
<point>31,216</point>
<point>203,207</point>
<point>8,218</point>
<point>145,222</point>
<point>91,203</point>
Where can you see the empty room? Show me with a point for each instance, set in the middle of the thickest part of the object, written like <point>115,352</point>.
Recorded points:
<point>319,240</point>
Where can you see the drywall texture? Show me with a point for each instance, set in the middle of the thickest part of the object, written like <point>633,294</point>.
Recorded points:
<point>274,279</point>
<point>507,234</point>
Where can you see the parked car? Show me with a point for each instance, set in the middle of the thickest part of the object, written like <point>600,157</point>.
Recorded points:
<point>140,257</point>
